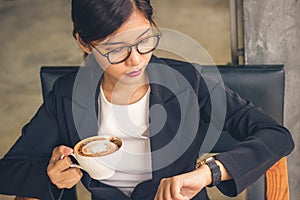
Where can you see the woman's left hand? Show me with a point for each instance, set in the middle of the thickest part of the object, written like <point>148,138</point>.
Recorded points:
<point>184,186</point>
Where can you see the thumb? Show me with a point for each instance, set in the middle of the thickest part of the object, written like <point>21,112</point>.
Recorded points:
<point>66,150</point>
<point>60,151</point>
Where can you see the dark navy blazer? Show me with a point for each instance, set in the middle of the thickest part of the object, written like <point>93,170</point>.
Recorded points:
<point>182,112</point>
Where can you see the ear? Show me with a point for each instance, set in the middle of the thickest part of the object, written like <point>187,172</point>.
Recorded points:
<point>85,47</point>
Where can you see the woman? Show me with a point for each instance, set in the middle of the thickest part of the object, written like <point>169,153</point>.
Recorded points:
<point>120,36</point>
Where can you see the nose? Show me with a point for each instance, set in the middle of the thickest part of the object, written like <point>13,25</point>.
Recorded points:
<point>134,59</point>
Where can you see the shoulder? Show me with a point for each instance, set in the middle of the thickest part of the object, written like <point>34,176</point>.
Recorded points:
<point>179,65</point>
<point>63,85</point>
<point>190,71</point>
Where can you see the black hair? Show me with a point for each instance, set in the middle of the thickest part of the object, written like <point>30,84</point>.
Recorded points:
<point>96,19</point>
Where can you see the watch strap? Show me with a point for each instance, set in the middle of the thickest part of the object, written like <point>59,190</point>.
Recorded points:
<point>215,171</point>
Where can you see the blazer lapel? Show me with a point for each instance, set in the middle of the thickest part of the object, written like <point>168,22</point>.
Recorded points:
<point>81,110</point>
<point>167,99</point>
<point>81,121</point>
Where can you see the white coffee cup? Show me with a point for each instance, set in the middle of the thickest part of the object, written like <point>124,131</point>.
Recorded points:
<point>98,155</point>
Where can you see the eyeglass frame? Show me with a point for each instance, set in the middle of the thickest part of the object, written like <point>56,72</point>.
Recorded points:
<point>158,35</point>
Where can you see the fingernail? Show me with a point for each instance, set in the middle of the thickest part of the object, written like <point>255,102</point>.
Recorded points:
<point>68,151</point>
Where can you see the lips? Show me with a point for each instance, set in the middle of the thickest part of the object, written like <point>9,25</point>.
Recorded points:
<point>134,73</point>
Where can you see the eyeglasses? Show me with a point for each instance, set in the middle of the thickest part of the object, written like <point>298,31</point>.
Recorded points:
<point>143,46</point>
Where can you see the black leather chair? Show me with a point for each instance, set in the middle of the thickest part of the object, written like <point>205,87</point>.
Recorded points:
<point>263,85</point>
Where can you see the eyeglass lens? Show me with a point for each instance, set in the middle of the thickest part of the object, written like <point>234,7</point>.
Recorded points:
<point>144,46</point>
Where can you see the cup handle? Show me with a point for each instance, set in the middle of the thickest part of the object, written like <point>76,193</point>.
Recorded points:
<point>75,165</point>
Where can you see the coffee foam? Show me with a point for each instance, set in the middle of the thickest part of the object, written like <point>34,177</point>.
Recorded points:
<point>98,147</point>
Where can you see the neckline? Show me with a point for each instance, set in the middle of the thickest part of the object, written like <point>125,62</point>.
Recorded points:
<point>102,97</point>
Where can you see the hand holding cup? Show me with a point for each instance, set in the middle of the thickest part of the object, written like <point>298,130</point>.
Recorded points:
<point>98,156</point>
<point>59,170</point>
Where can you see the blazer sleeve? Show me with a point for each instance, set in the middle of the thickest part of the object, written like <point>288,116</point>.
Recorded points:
<point>262,140</point>
<point>23,168</point>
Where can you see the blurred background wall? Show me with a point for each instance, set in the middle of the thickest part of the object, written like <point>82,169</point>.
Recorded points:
<point>272,36</point>
<point>36,33</point>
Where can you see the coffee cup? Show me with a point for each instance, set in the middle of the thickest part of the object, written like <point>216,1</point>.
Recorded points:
<point>98,155</point>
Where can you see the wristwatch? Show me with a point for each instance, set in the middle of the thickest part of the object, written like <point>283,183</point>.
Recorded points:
<point>215,170</point>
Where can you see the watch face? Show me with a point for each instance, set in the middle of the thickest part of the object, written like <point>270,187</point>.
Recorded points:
<point>209,159</point>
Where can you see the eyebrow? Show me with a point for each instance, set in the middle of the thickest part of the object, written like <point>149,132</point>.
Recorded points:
<point>116,43</point>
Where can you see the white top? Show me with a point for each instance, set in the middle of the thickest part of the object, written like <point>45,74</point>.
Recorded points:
<point>130,124</point>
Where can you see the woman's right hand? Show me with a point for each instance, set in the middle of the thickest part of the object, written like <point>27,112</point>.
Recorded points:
<point>59,170</point>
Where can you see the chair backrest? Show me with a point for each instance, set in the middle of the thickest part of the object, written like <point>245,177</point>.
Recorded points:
<point>49,75</point>
<point>263,85</point>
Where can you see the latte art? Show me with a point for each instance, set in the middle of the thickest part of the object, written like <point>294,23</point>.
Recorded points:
<point>98,147</point>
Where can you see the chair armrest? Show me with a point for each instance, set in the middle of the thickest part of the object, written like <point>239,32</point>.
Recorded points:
<point>277,184</point>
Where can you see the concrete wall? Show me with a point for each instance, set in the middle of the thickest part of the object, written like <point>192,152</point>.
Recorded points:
<point>272,36</point>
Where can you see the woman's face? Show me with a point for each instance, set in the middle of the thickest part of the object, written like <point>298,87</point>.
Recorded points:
<point>132,70</point>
